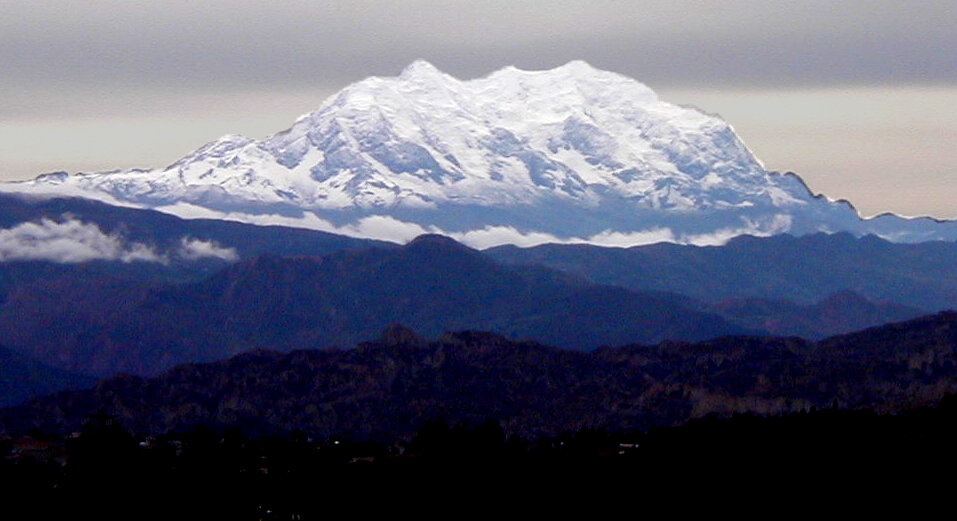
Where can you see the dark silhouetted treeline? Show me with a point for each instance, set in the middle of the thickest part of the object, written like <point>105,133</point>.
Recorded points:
<point>206,473</point>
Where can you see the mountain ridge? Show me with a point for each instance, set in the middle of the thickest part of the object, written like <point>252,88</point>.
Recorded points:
<point>804,269</point>
<point>571,154</point>
<point>388,389</point>
<point>433,284</point>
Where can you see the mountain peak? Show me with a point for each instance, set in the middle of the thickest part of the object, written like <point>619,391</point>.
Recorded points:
<point>399,335</point>
<point>434,240</point>
<point>420,68</point>
<point>571,68</point>
<point>579,67</point>
<point>229,141</point>
<point>438,249</point>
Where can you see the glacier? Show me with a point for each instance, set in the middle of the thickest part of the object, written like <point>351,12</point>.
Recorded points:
<point>571,154</point>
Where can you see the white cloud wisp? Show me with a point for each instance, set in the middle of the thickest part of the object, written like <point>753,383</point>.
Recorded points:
<point>70,241</point>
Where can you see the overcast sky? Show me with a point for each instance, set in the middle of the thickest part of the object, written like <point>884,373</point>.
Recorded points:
<point>859,97</point>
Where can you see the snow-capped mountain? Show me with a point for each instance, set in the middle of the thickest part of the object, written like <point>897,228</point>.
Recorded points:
<point>568,154</point>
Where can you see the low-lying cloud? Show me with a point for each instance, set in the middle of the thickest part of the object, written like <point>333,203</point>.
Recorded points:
<point>73,241</point>
<point>195,249</point>
<point>385,228</point>
<point>70,241</point>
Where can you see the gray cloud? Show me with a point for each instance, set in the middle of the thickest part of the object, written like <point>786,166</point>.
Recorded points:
<point>174,45</point>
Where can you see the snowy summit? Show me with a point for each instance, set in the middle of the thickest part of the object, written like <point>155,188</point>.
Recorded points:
<point>571,154</point>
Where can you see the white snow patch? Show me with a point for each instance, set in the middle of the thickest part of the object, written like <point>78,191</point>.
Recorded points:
<point>41,191</point>
<point>308,220</point>
<point>190,211</point>
<point>379,227</point>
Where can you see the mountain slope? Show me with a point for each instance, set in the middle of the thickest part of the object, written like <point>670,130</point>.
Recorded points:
<point>802,269</point>
<point>839,313</point>
<point>572,153</point>
<point>22,378</point>
<point>432,284</point>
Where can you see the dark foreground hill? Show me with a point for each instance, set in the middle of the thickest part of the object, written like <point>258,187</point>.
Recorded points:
<point>389,389</point>
<point>22,378</point>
